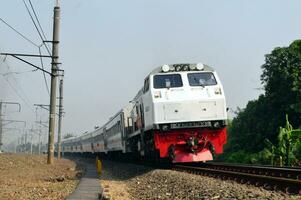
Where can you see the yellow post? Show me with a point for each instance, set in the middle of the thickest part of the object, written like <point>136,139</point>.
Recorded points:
<point>98,165</point>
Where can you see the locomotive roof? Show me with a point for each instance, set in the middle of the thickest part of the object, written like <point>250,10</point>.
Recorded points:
<point>159,69</point>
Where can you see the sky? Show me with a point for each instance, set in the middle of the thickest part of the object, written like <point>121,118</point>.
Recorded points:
<point>108,47</point>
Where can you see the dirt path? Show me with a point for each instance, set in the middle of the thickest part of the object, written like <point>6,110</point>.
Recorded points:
<point>25,176</point>
<point>114,185</point>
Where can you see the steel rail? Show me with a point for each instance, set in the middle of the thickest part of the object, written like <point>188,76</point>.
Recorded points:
<point>269,181</point>
<point>252,166</point>
<point>285,172</point>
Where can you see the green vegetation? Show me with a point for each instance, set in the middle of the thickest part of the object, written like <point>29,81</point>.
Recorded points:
<point>254,135</point>
<point>287,149</point>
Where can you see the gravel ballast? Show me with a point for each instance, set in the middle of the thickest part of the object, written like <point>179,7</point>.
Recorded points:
<point>129,181</point>
<point>24,176</point>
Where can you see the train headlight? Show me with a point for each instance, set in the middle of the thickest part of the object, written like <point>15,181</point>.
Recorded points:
<point>192,67</point>
<point>185,67</point>
<point>157,94</point>
<point>165,68</point>
<point>178,68</point>
<point>216,125</point>
<point>218,90</point>
<point>200,66</point>
<point>165,127</point>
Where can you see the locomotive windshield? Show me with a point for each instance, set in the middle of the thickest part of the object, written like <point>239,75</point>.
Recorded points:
<point>201,79</point>
<point>167,81</point>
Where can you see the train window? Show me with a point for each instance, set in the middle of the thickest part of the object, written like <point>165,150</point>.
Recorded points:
<point>167,81</point>
<point>201,79</point>
<point>130,122</point>
<point>146,85</point>
<point>118,126</point>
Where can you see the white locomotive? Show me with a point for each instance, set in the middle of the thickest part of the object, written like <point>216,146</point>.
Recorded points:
<point>179,114</point>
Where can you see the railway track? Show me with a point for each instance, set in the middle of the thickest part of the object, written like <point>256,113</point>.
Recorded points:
<point>272,178</point>
<point>286,179</point>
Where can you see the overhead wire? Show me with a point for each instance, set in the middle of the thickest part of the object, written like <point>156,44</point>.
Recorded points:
<point>25,99</point>
<point>19,33</point>
<point>18,94</point>
<point>39,24</point>
<point>9,73</point>
<point>17,87</point>
<point>41,37</point>
<point>33,21</point>
<point>42,64</point>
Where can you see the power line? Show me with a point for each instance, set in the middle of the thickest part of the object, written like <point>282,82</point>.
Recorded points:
<point>18,94</point>
<point>35,14</point>
<point>41,36</point>
<point>35,25</point>
<point>38,21</point>
<point>41,59</point>
<point>23,36</point>
<point>25,98</point>
<point>22,72</point>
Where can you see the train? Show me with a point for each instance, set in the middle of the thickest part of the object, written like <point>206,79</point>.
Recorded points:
<point>179,115</point>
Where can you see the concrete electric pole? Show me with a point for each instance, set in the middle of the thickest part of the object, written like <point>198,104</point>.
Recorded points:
<point>54,72</point>
<point>59,140</point>
<point>1,120</point>
<point>1,128</point>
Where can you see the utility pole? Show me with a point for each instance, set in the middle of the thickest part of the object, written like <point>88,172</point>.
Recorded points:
<point>54,73</point>
<point>1,128</point>
<point>54,70</point>
<point>23,141</point>
<point>18,146</point>
<point>1,120</point>
<point>31,138</point>
<point>26,141</point>
<point>41,124</point>
<point>22,137</point>
<point>18,140</point>
<point>59,140</point>
<point>39,142</point>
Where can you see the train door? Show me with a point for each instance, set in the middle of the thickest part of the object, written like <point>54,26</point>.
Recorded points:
<point>130,126</point>
<point>123,132</point>
<point>92,146</point>
<point>140,122</point>
<point>105,142</point>
<point>147,105</point>
<point>142,116</point>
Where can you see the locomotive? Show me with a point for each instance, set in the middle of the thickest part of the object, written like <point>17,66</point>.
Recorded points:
<point>179,114</point>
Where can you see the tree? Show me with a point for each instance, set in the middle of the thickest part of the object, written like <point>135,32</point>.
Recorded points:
<point>247,129</point>
<point>261,118</point>
<point>281,78</point>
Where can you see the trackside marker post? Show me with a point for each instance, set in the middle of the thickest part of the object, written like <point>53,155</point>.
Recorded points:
<point>98,166</point>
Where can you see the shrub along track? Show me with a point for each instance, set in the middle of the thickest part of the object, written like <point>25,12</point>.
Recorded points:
<point>274,178</point>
